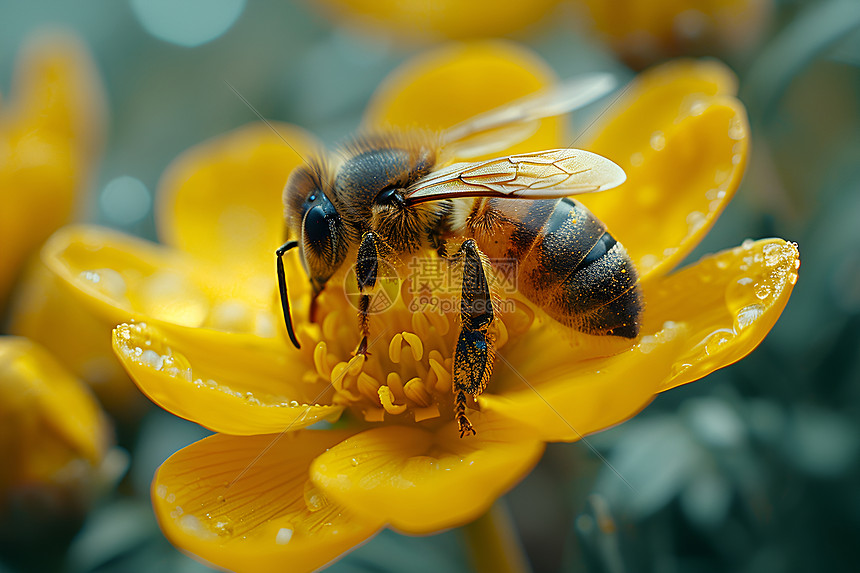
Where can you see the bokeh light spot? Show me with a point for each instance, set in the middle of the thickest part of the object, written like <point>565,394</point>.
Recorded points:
<point>125,200</point>
<point>187,22</point>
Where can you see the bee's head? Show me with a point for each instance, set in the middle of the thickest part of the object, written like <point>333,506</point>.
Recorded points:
<point>313,218</point>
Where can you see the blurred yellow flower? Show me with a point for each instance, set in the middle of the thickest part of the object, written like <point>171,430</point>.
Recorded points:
<point>643,33</point>
<point>206,343</point>
<point>54,442</point>
<point>50,134</point>
<point>418,20</point>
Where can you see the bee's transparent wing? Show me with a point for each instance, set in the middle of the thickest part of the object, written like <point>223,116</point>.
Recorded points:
<point>502,127</point>
<point>541,175</point>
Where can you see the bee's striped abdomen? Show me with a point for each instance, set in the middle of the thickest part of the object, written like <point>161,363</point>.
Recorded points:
<point>567,263</point>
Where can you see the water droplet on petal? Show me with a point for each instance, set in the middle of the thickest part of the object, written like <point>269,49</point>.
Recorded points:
<point>284,535</point>
<point>717,339</point>
<point>314,498</point>
<point>748,315</point>
<point>106,281</point>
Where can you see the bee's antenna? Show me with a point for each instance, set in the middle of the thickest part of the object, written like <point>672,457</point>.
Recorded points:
<point>282,287</point>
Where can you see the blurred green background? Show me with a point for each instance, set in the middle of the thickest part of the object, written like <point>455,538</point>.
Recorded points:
<point>754,469</point>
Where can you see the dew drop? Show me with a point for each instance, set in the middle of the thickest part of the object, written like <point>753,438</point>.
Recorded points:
<point>171,498</point>
<point>637,159</point>
<point>106,281</point>
<point>283,536</point>
<point>698,107</point>
<point>679,368</point>
<point>647,343</point>
<point>748,315</point>
<point>738,293</point>
<point>658,141</point>
<point>152,359</point>
<point>648,262</point>
<point>192,525</point>
<point>717,339</point>
<point>762,291</point>
<point>772,254</point>
<point>223,527</point>
<point>695,220</point>
<point>736,130</point>
<point>314,499</point>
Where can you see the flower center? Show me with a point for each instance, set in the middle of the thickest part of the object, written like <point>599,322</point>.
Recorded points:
<point>406,376</point>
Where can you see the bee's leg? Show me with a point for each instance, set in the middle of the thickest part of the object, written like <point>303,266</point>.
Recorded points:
<point>474,354</point>
<point>366,269</point>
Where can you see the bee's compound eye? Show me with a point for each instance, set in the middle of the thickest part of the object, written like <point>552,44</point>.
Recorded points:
<point>317,228</point>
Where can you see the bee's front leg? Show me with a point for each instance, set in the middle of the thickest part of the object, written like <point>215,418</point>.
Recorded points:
<point>366,269</point>
<point>474,353</point>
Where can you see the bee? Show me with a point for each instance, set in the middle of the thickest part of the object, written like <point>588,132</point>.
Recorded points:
<point>396,194</point>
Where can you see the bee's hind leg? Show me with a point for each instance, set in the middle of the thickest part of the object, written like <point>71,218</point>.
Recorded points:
<point>474,353</point>
<point>366,269</point>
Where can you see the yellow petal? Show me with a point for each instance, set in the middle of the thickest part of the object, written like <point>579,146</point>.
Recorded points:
<point>217,387</point>
<point>50,415</point>
<point>50,133</point>
<point>122,278</point>
<point>441,88</point>
<point>221,200</point>
<point>654,99</point>
<point>417,20</point>
<point>700,319</point>
<point>246,503</point>
<point>46,312</point>
<point>729,322</point>
<point>421,481</point>
<point>684,152</point>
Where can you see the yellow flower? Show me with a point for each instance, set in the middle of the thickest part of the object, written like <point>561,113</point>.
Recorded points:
<point>645,32</point>
<point>207,342</point>
<point>50,133</point>
<point>418,20</point>
<point>54,443</point>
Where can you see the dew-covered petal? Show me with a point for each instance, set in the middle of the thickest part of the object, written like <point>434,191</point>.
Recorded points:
<point>222,199</point>
<point>121,278</point>
<point>439,89</point>
<point>733,298</point>
<point>246,503</point>
<point>420,481</point>
<point>419,20</point>
<point>223,390</point>
<point>697,320</point>
<point>684,146</point>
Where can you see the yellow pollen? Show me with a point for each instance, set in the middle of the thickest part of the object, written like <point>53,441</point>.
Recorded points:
<point>411,379</point>
<point>385,396</point>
